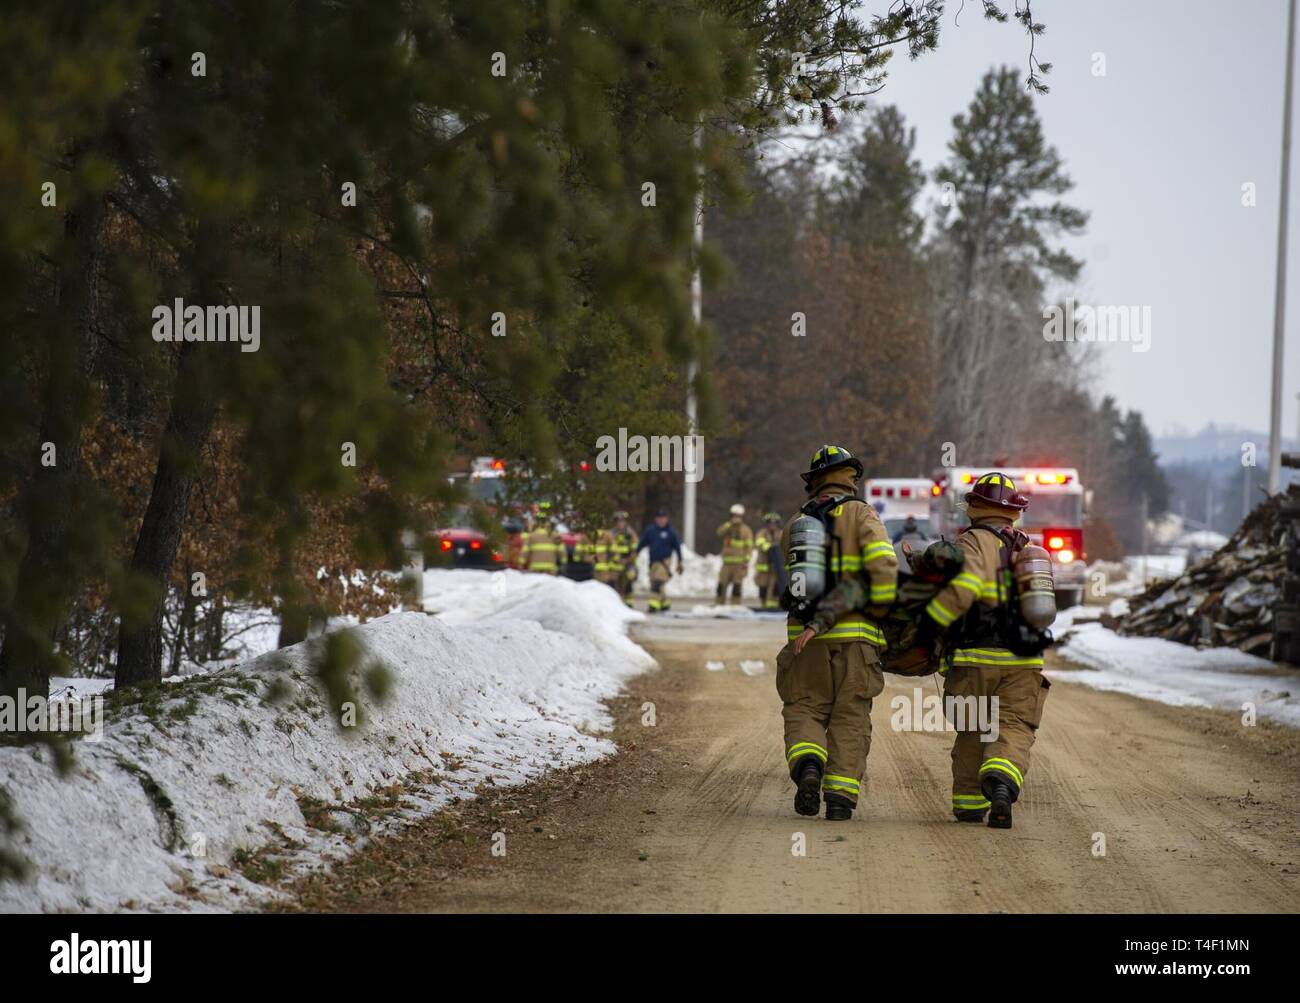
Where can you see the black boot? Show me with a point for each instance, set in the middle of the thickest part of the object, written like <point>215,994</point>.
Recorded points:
<point>969,814</point>
<point>1002,796</point>
<point>808,775</point>
<point>838,809</point>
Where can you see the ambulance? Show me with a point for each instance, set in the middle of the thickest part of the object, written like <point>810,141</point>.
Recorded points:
<point>899,497</point>
<point>1054,519</point>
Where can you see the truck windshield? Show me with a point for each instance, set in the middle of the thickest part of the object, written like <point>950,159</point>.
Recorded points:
<point>1064,511</point>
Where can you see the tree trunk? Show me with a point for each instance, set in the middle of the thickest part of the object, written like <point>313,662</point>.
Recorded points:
<point>184,626</point>
<point>214,628</point>
<point>139,646</point>
<point>46,579</point>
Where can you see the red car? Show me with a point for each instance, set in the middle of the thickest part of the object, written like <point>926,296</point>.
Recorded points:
<point>465,548</point>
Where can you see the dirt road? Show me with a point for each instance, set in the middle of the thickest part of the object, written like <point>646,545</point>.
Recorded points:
<point>1197,813</point>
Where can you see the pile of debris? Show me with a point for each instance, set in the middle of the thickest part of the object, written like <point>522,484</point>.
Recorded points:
<point>1227,599</point>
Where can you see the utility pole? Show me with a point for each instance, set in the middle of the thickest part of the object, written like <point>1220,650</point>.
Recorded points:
<point>1279,302</point>
<point>692,368</point>
<point>1145,548</point>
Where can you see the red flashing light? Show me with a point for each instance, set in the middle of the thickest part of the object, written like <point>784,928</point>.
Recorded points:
<point>967,478</point>
<point>904,492</point>
<point>498,464</point>
<point>496,556</point>
<point>446,544</point>
<point>1064,544</point>
<point>877,492</point>
<point>475,544</point>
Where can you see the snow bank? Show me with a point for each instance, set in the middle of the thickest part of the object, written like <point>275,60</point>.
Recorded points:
<point>506,682</point>
<point>1172,673</point>
<point>699,576</point>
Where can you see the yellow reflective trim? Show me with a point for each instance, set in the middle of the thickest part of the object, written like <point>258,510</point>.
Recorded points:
<point>1004,766</point>
<point>806,749</point>
<point>994,656</point>
<point>940,613</point>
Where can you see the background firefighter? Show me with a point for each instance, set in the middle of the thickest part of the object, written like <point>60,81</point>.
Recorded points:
<point>767,562</point>
<point>662,542</point>
<point>543,549</point>
<point>616,550</point>
<point>737,545</point>
<point>987,776</point>
<point>827,679</point>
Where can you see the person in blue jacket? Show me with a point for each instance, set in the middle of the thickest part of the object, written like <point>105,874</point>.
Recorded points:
<point>663,543</point>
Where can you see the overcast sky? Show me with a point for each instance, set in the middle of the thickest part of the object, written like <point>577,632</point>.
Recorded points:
<point>1189,110</point>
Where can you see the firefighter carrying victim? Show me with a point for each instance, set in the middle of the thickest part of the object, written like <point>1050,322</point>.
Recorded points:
<point>977,611</point>
<point>828,676</point>
<point>990,621</point>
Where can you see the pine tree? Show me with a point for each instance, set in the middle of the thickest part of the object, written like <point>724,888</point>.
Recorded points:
<point>993,254</point>
<point>874,202</point>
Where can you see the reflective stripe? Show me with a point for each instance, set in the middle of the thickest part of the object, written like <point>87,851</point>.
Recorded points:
<point>876,551</point>
<point>994,656</point>
<point>969,802</point>
<point>968,582</point>
<point>805,749</point>
<point>884,593</point>
<point>1006,766</point>
<point>940,613</point>
<point>735,560</point>
<point>851,628</point>
<point>833,783</point>
<point>846,562</point>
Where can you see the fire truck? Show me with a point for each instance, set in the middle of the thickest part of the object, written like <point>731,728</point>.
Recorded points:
<point>1054,519</point>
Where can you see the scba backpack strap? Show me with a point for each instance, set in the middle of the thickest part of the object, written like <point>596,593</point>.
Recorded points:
<point>821,509</point>
<point>1020,637</point>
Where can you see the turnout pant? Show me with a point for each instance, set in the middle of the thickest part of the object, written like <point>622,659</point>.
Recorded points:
<point>732,575</point>
<point>1021,692</point>
<point>659,576</point>
<point>826,694</point>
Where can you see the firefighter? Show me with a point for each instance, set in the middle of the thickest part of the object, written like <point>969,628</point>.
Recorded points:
<point>987,776</point>
<point>616,550</point>
<point>765,573</point>
<point>830,671</point>
<point>542,547</point>
<point>580,558</point>
<point>514,529</point>
<point>737,545</point>
<point>662,542</point>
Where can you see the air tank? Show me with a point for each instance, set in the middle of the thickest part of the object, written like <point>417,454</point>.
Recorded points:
<point>1037,588</point>
<point>806,564</point>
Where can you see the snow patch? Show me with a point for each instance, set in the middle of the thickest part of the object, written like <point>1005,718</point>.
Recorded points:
<point>505,683</point>
<point>1176,674</point>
